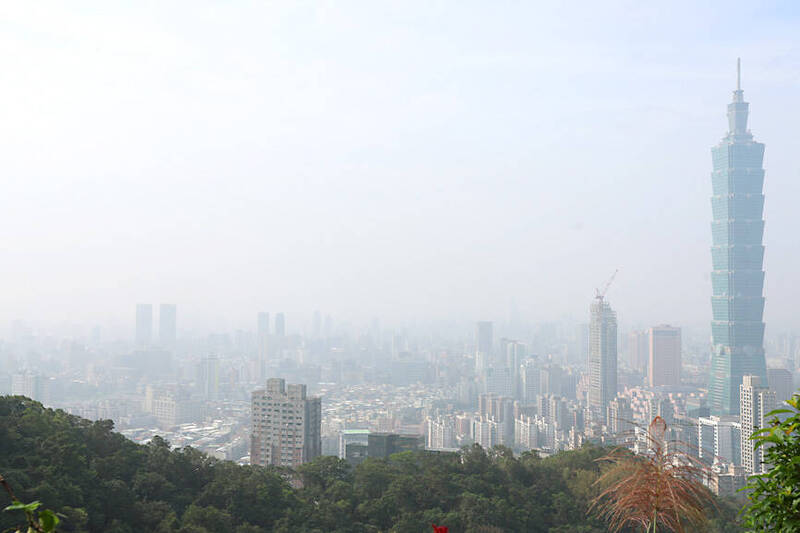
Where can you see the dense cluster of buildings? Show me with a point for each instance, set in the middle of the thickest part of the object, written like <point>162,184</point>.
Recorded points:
<point>527,404</point>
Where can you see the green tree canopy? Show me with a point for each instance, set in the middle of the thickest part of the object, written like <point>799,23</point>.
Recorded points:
<point>775,496</point>
<point>98,481</point>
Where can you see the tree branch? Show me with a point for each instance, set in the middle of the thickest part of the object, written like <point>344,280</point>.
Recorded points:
<point>7,487</point>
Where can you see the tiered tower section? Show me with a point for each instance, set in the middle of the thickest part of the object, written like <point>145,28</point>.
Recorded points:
<point>737,253</point>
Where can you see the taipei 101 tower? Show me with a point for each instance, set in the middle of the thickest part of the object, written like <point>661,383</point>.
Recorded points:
<point>737,254</point>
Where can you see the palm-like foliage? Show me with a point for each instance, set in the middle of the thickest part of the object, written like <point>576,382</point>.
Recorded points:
<point>775,495</point>
<point>660,489</point>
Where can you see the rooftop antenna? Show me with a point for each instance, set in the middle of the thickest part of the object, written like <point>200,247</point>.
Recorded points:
<point>738,73</point>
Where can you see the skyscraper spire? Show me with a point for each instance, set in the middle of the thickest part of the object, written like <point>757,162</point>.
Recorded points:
<point>738,109</point>
<point>738,73</point>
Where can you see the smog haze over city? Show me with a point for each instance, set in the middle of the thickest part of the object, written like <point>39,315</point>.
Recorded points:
<point>538,226</point>
<point>451,162</point>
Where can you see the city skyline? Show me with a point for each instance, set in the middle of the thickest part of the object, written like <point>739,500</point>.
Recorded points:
<point>369,265</point>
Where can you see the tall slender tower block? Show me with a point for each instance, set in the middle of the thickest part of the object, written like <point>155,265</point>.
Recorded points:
<point>144,325</point>
<point>602,356</point>
<point>167,325</point>
<point>737,253</point>
<point>664,366</point>
<point>756,401</point>
<point>483,345</point>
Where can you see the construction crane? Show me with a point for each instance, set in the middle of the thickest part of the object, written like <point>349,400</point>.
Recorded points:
<point>601,293</point>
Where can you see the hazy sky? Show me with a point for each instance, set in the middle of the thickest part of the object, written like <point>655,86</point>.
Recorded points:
<point>394,159</point>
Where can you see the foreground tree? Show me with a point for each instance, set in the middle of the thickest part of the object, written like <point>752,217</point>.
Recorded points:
<point>97,481</point>
<point>775,496</point>
<point>660,490</point>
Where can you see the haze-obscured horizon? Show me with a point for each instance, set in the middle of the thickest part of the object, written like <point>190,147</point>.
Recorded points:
<point>382,160</point>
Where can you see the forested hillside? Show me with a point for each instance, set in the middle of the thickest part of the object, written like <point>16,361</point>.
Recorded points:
<point>102,482</point>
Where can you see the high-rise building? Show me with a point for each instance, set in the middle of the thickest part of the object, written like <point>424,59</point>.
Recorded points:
<point>167,325</point>
<point>486,432</point>
<point>638,350</point>
<point>262,328</point>
<point>727,481</point>
<point>280,325</point>
<point>144,325</point>
<point>737,252</point>
<point>286,425</point>
<point>582,343</point>
<point>467,392</point>
<point>494,406</point>
<point>499,381</point>
<point>755,402</point>
<point>660,406</point>
<point>172,407</point>
<point>516,352</point>
<point>602,356</point>
<point>543,405</point>
<point>557,412</point>
<point>29,384</point>
<point>483,345</point>
<point>440,433</point>
<point>550,376</point>
<point>781,383</point>
<point>569,383</point>
<point>209,377</point>
<point>262,343</point>
<point>719,439</point>
<point>499,409</point>
<point>399,345</point>
<point>620,417</point>
<point>664,367</point>
<point>531,381</point>
<point>484,337</point>
<point>526,433</point>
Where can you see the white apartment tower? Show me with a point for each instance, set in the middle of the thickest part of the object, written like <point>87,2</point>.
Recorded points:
<point>755,401</point>
<point>620,417</point>
<point>719,439</point>
<point>286,425</point>
<point>487,432</point>
<point>441,434</point>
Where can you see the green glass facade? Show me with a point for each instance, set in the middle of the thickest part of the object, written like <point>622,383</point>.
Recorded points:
<point>737,255</point>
